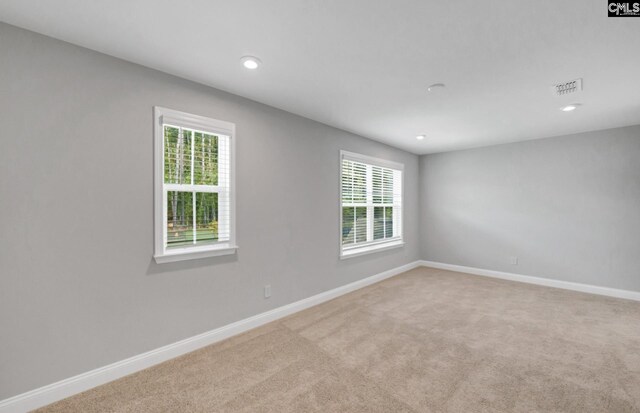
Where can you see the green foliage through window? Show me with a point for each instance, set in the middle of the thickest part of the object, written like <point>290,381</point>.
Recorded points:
<point>191,158</point>
<point>370,197</point>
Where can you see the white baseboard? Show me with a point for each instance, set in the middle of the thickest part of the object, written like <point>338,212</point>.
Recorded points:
<point>549,282</point>
<point>62,389</point>
<point>65,388</point>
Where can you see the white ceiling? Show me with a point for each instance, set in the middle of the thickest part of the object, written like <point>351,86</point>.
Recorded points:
<point>364,65</point>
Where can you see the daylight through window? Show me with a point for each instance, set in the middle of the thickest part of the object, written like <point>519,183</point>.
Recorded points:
<point>371,204</point>
<point>195,187</point>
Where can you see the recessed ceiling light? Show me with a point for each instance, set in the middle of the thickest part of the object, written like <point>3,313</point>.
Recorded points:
<point>420,137</point>
<point>570,107</point>
<point>435,86</point>
<point>250,62</point>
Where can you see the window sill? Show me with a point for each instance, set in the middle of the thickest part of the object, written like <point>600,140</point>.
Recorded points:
<point>195,253</point>
<point>370,249</point>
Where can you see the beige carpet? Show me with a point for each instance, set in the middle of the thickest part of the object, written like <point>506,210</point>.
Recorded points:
<point>424,341</point>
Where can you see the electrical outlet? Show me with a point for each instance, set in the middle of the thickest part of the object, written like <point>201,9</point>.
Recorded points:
<point>267,291</point>
<point>514,260</point>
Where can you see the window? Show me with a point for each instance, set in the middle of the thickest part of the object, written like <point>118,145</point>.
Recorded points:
<point>371,204</point>
<point>194,196</point>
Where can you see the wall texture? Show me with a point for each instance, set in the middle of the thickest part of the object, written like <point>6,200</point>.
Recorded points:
<point>567,207</point>
<point>78,286</point>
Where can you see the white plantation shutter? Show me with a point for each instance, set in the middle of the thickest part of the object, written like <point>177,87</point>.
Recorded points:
<point>194,186</point>
<point>354,198</point>
<point>371,202</point>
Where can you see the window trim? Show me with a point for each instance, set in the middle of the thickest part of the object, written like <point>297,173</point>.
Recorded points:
<point>161,116</point>
<point>372,246</point>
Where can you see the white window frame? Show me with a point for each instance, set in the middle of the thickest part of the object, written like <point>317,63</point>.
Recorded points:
<point>164,116</point>
<point>397,241</point>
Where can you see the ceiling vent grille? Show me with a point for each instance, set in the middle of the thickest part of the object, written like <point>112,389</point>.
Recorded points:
<point>568,88</point>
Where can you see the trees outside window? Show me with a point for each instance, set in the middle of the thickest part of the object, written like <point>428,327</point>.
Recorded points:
<point>370,204</point>
<point>194,197</point>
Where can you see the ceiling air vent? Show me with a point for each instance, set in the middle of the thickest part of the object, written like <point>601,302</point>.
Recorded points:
<point>568,88</point>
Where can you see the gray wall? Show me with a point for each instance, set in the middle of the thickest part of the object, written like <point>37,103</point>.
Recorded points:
<point>567,207</point>
<point>78,286</point>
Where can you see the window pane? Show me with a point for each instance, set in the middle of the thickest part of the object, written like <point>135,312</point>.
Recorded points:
<point>361,224</point>
<point>205,155</point>
<point>378,223</point>
<point>387,185</point>
<point>347,181</point>
<point>376,178</point>
<point>177,155</point>
<point>206,218</point>
<point>388,222</point>
<point>179,219</point>
<point>348,234</point>
<point>359,182</point>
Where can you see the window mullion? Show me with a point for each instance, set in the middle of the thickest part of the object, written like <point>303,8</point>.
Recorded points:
<point>193,136</point>
<point>369,189</point>
<point>193,188</point>
<point>353,191</point>
<point>194,216</point>
<point>193,163</point>
<point>384,222</point>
